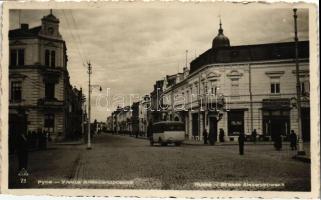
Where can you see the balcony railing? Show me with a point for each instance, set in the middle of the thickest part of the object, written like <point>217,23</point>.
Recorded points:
<point>50,102</point>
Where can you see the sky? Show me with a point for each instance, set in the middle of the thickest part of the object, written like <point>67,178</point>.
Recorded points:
<point>130,46</point>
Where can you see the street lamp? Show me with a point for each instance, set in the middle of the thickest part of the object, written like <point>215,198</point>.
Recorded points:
<point>90,87</point>
<point>298,85</point>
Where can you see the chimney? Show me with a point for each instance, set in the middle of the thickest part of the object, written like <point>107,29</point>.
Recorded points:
<point>24,26</point>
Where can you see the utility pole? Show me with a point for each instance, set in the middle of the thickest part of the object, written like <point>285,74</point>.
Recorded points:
<point>298,85</point>
<point>89,106</point>
<point>82,113</point>
<point>251,98</point>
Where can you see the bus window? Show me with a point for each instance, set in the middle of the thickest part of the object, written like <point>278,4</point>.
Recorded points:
<point>175,127</point>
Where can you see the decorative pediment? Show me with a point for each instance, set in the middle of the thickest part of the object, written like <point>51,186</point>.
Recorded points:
<point>213,75</point>
<point>302,73</point>
<point>234,74</point>
<point>51,44</point>
<point>17,43</point>
<point>274,73</point>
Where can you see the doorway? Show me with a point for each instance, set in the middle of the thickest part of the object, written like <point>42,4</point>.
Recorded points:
<point>213,127</point>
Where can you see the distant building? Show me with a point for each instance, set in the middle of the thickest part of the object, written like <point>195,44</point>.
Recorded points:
<point>144,105</point>
<point>251,87</point>
<point>39,85</point>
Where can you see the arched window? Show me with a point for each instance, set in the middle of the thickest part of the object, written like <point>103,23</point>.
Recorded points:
<point>53,58</point>
<point>47,57</point>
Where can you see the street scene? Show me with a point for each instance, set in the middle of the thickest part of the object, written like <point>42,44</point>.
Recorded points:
<point>100,100</point>
<point>123,162</point>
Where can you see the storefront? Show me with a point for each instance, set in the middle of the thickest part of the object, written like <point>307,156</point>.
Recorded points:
<point>235,122</point>
<point>276,117</point>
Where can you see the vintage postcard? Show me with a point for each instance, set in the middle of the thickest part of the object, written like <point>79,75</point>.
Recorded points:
<point>160,99</point>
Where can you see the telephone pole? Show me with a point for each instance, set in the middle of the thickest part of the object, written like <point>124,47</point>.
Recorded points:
<point>298,85</point>
<point>89,106</point>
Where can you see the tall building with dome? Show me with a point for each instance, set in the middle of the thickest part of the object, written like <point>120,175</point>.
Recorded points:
<point>241,88</point>
<point>41,97</point>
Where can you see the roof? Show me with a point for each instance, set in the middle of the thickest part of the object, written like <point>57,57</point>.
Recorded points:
<point>24,33</point>
<point>168,122</point>
<point>248,53</point>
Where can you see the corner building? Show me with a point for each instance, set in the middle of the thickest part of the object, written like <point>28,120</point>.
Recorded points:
<point>253,87</point>
<point>40,94</point>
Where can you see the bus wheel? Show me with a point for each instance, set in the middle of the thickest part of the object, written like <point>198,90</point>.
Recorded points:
<point>178,144</point>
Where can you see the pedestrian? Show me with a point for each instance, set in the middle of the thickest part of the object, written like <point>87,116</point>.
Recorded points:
<point>241,140</point>
<point>212,138</point>
<point>22,146</point>
<point>293,140</point>
<point>205,136</point>
<point>136,134</point>
<point>278,142</point>
<point>254,134</point>
<point>221,135</point>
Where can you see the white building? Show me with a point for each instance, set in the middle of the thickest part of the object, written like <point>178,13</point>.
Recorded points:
<point>241,88</point>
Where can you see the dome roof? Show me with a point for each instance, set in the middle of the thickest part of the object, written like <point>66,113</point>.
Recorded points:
<point>220,40</point>
<point>51,17</point>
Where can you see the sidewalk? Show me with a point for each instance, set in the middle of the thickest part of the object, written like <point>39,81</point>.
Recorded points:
<point>201,142</point>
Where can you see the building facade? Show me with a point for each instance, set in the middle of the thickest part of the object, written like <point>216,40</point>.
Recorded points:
<point>40,93</point>
<point>241,88</point>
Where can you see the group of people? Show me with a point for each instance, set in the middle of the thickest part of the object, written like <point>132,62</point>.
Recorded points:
<point>241,139</point>
<point>212,136</point>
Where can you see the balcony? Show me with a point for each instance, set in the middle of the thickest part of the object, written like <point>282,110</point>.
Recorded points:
<point>50,102</point>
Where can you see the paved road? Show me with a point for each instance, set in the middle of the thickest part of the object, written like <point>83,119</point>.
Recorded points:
<point>126,162</point>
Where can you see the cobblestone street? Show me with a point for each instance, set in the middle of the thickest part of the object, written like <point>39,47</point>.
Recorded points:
<point>125,162</point>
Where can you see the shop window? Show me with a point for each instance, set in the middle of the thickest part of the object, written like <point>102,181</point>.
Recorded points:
<point>235,122</point>
<point>49,122</point>
<point>16,93</point>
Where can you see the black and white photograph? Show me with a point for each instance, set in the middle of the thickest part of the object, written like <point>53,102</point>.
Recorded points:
<point>160,96</point>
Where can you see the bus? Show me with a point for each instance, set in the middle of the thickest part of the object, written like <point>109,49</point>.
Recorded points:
<point>167,132</point>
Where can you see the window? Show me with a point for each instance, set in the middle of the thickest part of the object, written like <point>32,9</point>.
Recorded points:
<point>17,57</point>
<point>235,87</point>
<point>16,91</point>
<point>213,87</point>
<point>21,57</point>
<point>49,122</point>
<point>305,87</point>
<point>50,58</point>
<point>47,57</point>
<point>275,88</point>
<point>275,85</point>
<point>49,90</point>
<point>53,58</point>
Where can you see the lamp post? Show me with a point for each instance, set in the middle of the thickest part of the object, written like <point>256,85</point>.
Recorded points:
<point>89,103</point>
<point>298,85</point>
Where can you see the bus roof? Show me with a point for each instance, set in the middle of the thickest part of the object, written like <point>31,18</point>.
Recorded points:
<point>168,122</point>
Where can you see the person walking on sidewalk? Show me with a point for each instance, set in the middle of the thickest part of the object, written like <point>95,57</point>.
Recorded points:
<point>254,134</point>
<point>205,135</point>
<point>212,138</point>
<point>241,140</point>
<point>221,135</point>
<point>278,142</point>
<point>293,140</point>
